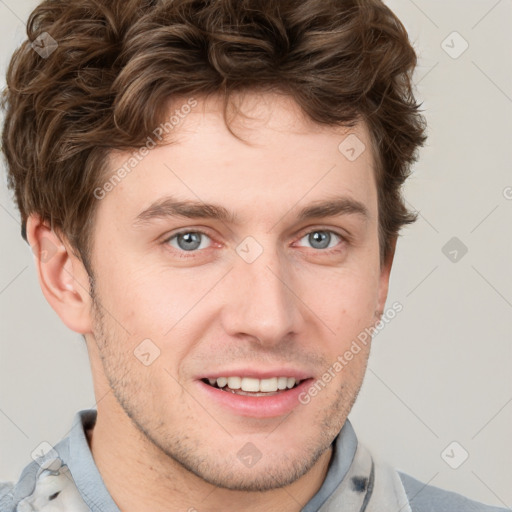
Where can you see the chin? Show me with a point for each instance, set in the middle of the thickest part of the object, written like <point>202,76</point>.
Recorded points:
<point>251,470</point>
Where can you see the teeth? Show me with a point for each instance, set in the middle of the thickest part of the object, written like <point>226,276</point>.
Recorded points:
<point>282,382</point>
<point>253,385</point>
<point>234,382</point>
<point>268,385</point>
<point>249,384</point>
<point>222,381</point>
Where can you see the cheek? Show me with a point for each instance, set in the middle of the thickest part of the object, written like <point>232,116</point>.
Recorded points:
<point>163,306</point>
<point>344,298</point>
<point>346,307</point>
<point>138,296</point>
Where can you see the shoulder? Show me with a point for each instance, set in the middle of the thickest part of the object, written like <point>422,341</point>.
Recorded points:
<point>5,488</point>
<point>427,498</point>
<point>6,496</point>
<point>45,478</point>
<point>11,493</point>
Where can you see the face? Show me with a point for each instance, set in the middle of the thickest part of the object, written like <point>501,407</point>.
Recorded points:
<point>202,319</point>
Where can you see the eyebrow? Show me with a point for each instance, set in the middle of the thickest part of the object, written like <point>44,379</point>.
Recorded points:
<point>169,207</point>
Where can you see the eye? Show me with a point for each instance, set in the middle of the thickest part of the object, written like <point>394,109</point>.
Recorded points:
<point>188,241</point>
<point>53,496</point>
<point>323,239</point>
<point>192,241</point>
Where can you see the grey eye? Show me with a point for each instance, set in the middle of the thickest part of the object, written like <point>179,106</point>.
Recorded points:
<point>321,238</point>
<point>189,241</point>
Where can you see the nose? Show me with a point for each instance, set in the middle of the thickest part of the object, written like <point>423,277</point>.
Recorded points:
<point>260,300</point>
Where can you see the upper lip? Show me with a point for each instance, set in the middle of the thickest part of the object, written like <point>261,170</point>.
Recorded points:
<point>258,374</point>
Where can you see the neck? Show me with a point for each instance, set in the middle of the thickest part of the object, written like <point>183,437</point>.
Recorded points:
<point>139,476</point>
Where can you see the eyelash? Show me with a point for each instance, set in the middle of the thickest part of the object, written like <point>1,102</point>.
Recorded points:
<point>191,254</point>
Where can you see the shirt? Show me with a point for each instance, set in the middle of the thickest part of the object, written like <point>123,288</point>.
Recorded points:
<point>67,479</point>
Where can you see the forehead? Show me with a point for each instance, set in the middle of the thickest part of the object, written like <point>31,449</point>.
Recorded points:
<point>286,160</point>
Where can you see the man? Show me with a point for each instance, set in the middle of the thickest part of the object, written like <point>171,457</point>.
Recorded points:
<point>212,192</point>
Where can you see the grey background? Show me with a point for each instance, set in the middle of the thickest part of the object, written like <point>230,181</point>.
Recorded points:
<point>440,371</point>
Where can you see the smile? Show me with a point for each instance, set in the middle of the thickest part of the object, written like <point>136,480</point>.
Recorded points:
<point>250,386</point>
<point>254,397</point>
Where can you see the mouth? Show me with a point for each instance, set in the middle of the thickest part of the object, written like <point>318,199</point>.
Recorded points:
<point>250,386</point>
<point>268,397</point>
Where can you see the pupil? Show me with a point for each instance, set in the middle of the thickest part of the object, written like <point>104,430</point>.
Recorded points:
<point>320,236</point>
<point>189,238</point>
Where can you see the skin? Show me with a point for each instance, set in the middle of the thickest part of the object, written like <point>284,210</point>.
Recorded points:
<point>296,305</point>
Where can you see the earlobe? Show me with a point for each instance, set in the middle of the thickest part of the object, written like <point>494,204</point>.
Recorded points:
<point>62,276</point>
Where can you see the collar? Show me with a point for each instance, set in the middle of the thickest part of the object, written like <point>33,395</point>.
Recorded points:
<point>70,468</point>
<point>97,497</point>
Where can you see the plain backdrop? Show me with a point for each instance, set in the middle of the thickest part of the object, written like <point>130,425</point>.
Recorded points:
<point>440,372</point>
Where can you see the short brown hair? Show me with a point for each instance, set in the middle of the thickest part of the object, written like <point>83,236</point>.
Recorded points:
<point>118,61</point>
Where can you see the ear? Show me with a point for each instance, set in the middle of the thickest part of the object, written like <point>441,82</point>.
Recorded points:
<point>63,278</point>
<point>385,272</point>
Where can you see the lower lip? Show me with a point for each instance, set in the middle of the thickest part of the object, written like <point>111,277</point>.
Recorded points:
<point>256,406</point>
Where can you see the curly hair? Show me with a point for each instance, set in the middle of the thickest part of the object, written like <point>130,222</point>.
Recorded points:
<point>114,63</point>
